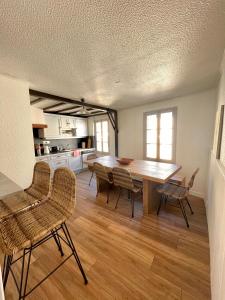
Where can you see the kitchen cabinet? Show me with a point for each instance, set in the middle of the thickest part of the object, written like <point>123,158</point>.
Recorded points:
<point>53,129</point>
<point>59,162</point>
<point>75,163</point>
<point>60,126</point>
<point>81,125</point>
<point>67,122</point>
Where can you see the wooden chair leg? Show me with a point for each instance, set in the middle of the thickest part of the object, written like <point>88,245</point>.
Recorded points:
<point>118,198</point>
<point>108,192</point>
<point>98,186</point>
<point>132,204</point>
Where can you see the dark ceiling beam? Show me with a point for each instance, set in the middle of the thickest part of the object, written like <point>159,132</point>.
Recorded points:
<point>37,100</point>
<point>66,100</point>
<point>65,114</point>
<point>53,106</point>
<point>96,114</point>
<point>69,108</point>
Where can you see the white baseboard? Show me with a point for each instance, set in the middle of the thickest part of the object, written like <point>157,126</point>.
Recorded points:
<point>197,194</point>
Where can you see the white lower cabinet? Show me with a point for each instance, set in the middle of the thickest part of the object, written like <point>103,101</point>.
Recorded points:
<point>62,160</point>
<point>56,163</point>
<point>75,163</point>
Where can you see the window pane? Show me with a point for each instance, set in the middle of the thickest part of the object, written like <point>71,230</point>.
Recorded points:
<point>98,126</point>
<point>166,152</point>
<point>166,120</point>
<point>105,131</point>
<point>166,136</point>
<point>151,136</point>
<point>98,136</point>
<point>151,150</point>
<point>152,122</point>
<point>105,147</point>
<point>99,146</point>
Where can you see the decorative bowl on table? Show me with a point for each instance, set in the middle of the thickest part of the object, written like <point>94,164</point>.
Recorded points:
<point>124,161</point>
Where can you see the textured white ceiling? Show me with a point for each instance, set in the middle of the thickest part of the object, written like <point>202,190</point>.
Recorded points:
<point>113,53</point>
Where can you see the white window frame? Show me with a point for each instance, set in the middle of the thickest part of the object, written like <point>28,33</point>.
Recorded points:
<point>158,112</point>
<point>101,120</point>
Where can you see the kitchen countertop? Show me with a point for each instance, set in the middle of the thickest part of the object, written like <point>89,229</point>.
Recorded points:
<point>7,186</point>
<point>66,151</point>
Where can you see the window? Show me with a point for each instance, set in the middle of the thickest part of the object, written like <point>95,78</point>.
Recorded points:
<point>102,136</point>
<point>160,127</point>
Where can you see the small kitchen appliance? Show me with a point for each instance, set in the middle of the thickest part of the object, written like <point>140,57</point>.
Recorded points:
<point>46,147</point>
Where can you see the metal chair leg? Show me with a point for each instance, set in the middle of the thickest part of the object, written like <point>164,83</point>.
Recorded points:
<point>24,280</point>
<point>91,178</point>
<point>189,205</point>
<point>160,203</point>
<point>58,242</point>
<point>184,213</point>
<point>118,198</point>
<point>71,245</point>
<point>7,264</point>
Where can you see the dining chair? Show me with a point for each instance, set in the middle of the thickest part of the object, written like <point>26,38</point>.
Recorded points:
<point>91,168</point>
<point>173,192</point>
<point>26,230</point>
<point>102,175</point>
<point>123,179</point>
<point>36,192</point>
<point>40,185</point>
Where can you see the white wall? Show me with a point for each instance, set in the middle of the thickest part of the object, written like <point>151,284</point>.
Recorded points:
<point>216,214</point>
<point>37,115</point>
<point>91,122</point>
<point>16,139</point>
<point>195,122</point>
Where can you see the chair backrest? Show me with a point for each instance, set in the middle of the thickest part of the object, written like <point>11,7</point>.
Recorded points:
<point>91,156</point>
<point>63,190</point>
<point>191,181</point>
<point>101,172</point>
<point>41,178</point>
<point>122,178</point>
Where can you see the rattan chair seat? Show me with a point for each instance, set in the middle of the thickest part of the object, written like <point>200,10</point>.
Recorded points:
<point>17,202</point>
<point>20,230</point>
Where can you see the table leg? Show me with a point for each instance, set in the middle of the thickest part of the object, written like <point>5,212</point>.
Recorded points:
<point>150,197</point>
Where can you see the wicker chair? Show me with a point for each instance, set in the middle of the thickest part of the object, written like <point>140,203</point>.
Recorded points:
<point>103,175</point>
<point>91,168</point>
<point>122,178</point>
<point>27,229</point>
<point>40,185</point>
<point>178,193</point>
<point>38,191</point>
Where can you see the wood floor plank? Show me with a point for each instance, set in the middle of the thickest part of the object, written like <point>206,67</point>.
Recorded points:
<point>148,257</point>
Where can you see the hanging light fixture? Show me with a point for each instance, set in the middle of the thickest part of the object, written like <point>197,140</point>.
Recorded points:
<point>83,110</point>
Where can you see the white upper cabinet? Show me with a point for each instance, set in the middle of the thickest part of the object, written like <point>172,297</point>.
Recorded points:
<point>53,129</point>
<point>60,126</point>
<point>67,122</point>
<point>81,125</point>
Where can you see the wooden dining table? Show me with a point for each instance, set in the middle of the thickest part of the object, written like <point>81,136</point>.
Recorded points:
<point>152,173</point>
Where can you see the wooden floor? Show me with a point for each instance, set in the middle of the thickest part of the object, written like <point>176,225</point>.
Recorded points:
<point>142,258</point>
